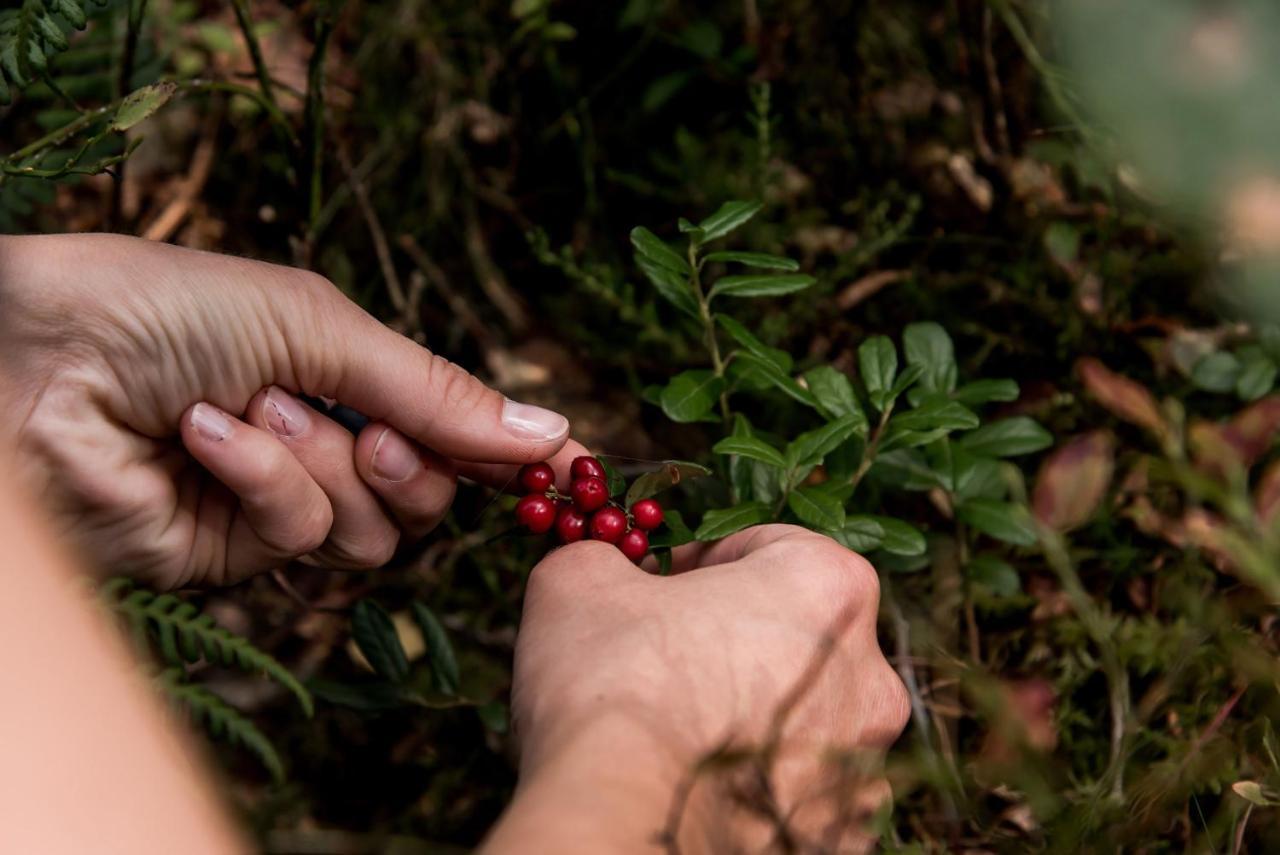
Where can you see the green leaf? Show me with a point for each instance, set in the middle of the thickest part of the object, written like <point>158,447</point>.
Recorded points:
<point>749,446</point>
<point>651,247</point>
<point>722,523</point>
<point>671,287</point>
<point>760,285</point>
<point>1002,520</point>
<point>221,719</point>
<point>981,392</point>
<point>878,365</point>
<point>904,469</point>
<point>900,538</point>
<point>142,104</point>
<point>861,533</point>
<point>1257,377</point>
<point>936,414</point>
<point>375,635</point>
<point>780,358</point>
<point>368,696</point>
<point>444,666</point>
<point>756,259</point>
<point>816,509</point>
<point>905,381</point>
<point>1216,372</point>
<point>976,477</point>
<point>615,480</point>
<point>779,379</point>
<point>673,533</point>
<point>995,575</point>
<point>929,346</point>
<point>730,216</point>
<point>833,392</point>
<point>671,473</point>
<point>809,448</point>
<point>1007,438</point>
<point>690,395</point>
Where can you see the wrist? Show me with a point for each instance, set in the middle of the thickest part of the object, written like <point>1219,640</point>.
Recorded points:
<point>612,784</point>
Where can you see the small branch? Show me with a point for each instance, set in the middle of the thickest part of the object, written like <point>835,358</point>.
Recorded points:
<point>868,286</point>
<point>708,325</point>
<point>379,237</point>
<point>313,123</point>
<point>202,160</point>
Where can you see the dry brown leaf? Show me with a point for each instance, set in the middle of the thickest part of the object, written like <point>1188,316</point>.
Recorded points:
<point>1123,397</point>
<point>1074,480</point>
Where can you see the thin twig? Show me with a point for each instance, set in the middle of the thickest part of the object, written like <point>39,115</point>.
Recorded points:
<point>380,246</point>
<point>202,160</point>
<point>245,21</point>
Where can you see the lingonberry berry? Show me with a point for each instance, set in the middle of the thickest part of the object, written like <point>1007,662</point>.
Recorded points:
<point>537,477</point>
<point>647,513</point>
<point>536,513</point>
<point>608,524</point>
<point>634,545</point>
<point>571,524</point>
<point>586,467</point>
<point>589,494</point>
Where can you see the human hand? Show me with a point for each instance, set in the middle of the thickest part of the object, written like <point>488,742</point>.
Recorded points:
<point>154,410</point>
<point>765,651</point>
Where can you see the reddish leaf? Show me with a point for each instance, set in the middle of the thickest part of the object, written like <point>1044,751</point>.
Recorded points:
<point>1073,481</point>
<point>1028,720</point>
<point>1239,442</point>
<point>1266,496</point>
<point>1125,399</point>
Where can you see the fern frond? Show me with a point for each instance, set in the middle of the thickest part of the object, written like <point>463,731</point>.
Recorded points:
<point>185,634</point>
<point>31,35</point>
<point>221,720</point>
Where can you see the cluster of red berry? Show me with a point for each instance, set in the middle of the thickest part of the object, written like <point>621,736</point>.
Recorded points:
<point>586,511</point>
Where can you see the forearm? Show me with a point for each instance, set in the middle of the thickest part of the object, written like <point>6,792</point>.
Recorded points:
<point>611,787</point>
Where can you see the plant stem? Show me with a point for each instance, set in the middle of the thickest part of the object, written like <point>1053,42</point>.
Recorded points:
<point>708,325</point>
<point>873,445</point>
<point>314,123</point>
<point>241,8</point>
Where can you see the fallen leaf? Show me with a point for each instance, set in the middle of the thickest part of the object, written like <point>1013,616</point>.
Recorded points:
<point>1123,397</point>
<point>1266,496</point>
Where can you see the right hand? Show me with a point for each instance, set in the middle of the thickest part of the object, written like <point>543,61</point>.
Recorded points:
<point>615,667</point>
<point>155,409</point>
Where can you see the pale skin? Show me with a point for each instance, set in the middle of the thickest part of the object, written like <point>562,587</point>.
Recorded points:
<point>152,411</point>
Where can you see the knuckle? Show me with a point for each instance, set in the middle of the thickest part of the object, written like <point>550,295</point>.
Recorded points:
<point>455,387</point>
<point>367,552</point>
<point>306,533</point>
<point>569,571</point>
<point>895,706</point>
<point>838,578</point>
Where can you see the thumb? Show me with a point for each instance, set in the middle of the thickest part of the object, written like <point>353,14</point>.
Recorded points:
<point>342,352</point>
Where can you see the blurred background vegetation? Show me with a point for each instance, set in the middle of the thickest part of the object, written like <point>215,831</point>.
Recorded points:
<point>1066,190</point>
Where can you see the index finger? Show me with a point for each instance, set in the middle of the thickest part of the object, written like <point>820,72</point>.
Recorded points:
<point>736,546</point>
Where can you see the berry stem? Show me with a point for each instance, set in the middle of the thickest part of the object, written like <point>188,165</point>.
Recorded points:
<point>708,324</point>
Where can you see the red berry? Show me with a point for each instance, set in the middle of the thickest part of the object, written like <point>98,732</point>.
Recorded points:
<point>647,514</point>
<point>537,477</point>
<point>586,467</point>
<point>608,524</point>
<point>589,494</point>
<point>536,513</point>
<point>571,524</point>
<point>634,545</point>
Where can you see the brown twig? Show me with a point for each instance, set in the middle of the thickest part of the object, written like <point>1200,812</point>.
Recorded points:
<point>994,87</point>
<point>167,222</point>
<point>461,310</point>
<point>380,247</point>
<point>489,276</point>
<point>868,286</point>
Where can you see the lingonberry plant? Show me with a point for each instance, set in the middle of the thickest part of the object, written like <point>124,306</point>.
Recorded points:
<point>909,427</point>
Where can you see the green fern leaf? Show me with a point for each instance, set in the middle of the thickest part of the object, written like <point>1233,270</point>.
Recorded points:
<point>29,36</point>
<point>222,720</point>
<point>184,634</point>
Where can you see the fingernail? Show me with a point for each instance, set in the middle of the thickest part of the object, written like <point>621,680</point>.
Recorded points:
<point>394,459</point>
<point>210,422</point>
<point>529,422</point>
<point>284,414</point>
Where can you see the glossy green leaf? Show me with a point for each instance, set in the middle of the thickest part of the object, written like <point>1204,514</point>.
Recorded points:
<point>900,538</point>
<point>651,247</point>
<point>444,665</point>
<point>936,414</point>
<point>1002,520</point>
<point>981,392</point>
<point>730,216</point>
<point>861,533</point>
<point>749,446</point>
<point>929,346</point>
<point>671,473</point>
<point>756,259</point>
<point>760,285</point>
<point>142,104</point>
<point>724,522</point>
<point>375,635</point>
<point>779,379</point>
<point>809,448</point>
<point>690,395</point>
<point>1007,438</point>
<point>816,509</point>
<point>672,287</point>
<point>615,480</point>
<point>878,365</point>
<point>674,532</point>
<point>833,392</point>
<point>904,469</point>
<point>1257,375</point>
<point>743,336</point>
